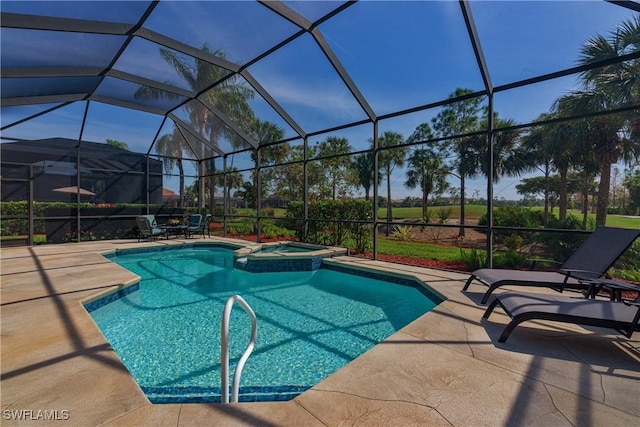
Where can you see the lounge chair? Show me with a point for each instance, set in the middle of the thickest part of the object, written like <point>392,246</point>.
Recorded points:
<point>198,224</point>
<point>520,307</point>
<point>147,227</point>
<point>591,260</point>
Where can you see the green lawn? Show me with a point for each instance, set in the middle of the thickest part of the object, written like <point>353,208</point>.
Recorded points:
<point>418,250</point>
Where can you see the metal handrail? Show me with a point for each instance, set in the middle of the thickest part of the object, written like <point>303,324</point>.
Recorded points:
<point>224,348</point>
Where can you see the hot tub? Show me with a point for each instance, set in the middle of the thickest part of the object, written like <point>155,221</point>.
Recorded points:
<point>284,256</point>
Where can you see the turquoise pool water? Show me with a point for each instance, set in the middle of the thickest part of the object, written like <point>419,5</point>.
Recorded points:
<point>310,324</point>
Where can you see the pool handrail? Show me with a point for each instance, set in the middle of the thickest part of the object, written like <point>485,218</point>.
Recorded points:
<point>224,348</point>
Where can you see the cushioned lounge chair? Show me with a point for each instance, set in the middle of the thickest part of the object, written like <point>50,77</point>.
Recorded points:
<point>591,260</point>
<point>520,307</point>
<point>147,227</point>
<point>198,224</point>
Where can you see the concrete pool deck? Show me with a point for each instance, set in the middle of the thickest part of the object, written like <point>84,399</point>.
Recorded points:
<point>445,368</point>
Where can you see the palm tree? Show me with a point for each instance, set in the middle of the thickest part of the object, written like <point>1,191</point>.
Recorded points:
<point>607,88</point>
<point>172,146</point>
<point>233,180</point>
<point>231,95</point>
<point>363,167</point>
<point>534,154</point>
<point>426,169</point>
<point>506,154</point>
<point>265,132</point>
<point>599,136</point>
<point>454,120</point>
<point>390,156</point>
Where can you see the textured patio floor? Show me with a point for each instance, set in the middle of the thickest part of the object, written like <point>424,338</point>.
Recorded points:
<point>445,368</point>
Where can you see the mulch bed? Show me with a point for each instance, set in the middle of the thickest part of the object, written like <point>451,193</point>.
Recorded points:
<point>420,262</point>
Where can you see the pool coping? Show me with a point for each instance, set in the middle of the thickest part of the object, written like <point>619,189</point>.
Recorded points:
<point>447,366</point>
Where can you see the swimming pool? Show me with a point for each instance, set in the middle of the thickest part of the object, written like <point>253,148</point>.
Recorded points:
<point>310,324</point>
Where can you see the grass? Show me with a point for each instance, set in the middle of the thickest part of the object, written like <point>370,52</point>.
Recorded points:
<point>38,239</point>
<point>418,250</point>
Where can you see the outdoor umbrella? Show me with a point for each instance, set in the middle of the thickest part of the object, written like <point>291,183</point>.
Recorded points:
<point>73,190</point>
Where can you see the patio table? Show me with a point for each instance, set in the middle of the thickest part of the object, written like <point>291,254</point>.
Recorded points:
<point>174,230</point>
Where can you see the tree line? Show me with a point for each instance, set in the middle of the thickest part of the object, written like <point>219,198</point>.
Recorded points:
<point>584,134</point>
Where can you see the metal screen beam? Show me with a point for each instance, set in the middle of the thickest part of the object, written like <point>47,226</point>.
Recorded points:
<point>287,13</point>
<point>33,116</point>
<point>45,99</point>
<point>186,128</point>
<point>626,3</point>
<point>475,42</point>
<point>569,71</point>
<point>52,23</point>
<point>273,103</point>
<point>127,104</point>
<point>186,49</point>
<point>219,114</point>
<point>486,78</point>
<point>32,72</point>
<point>342,72</point>
<point>181,131</point>
<point>148,82</point>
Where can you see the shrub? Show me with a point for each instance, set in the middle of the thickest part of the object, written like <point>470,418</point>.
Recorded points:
<point>514,216</point>
<point>474,258</point>
<point>402,232</point>
<point>628,266</point>
<point>560,246</point>
<point>513,242</point>
<point>509,259</point>
<point>443,215</point>
<point>333,222</point>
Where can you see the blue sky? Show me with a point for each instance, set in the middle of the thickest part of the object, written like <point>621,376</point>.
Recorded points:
<point>399,55</point>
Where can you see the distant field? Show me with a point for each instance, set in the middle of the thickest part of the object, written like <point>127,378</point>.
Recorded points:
<point>474,212</point>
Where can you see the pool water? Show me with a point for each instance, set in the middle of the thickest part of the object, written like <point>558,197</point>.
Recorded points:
<point>310,324</point>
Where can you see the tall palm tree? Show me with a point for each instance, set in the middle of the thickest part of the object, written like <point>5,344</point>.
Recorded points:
<point>231,95</point>
<point>265,132</point>
<point>455,120</point>
<point>534,154</point>
<point>598,135</point>
<point>390,156</point>
<point>173,146</point>
<point>606,88</point>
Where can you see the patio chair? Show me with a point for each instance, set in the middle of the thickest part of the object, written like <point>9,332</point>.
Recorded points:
<point>198,224</point>
<point>621,316</point>
<point>591,260</point>
<point>147,227</point>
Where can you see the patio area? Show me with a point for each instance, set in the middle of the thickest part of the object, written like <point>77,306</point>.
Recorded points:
<point>445,368</point>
